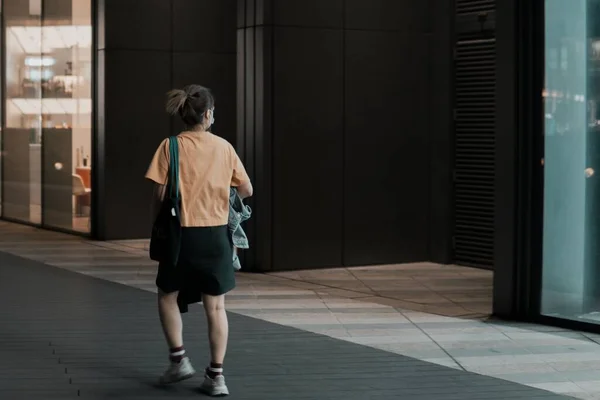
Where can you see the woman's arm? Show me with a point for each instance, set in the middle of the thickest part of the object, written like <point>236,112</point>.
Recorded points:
<point>245,190</point>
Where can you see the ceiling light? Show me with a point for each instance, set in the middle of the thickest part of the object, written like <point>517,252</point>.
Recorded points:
<point>40,61</point>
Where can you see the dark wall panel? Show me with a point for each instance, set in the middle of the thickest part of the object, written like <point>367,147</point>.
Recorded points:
<point>386,15</point>
<point>248,89</point>
<point>135,24</point>
<point>386,196</point>
<point>360,129</point>
<point>516,264</point>
<point>308,13</point>
<point>135,123</point>
<point>255,91</point>
<point>252,10</point>
<point>206,26</point>
<point>307,148</point>
<point>441,143</point>
<point>216,71</point>
<point>240,14</point>
<point>145,48</point>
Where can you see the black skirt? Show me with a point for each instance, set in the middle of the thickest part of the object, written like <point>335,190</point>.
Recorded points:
<point>205,266</point>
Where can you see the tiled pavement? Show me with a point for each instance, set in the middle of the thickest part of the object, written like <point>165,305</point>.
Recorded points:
<point>66,335</point>
<point>431,288</point>
<point>333,303</point>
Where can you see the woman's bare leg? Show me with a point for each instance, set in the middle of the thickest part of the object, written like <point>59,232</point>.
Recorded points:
<point>170,318</point>
<point>218,326</point>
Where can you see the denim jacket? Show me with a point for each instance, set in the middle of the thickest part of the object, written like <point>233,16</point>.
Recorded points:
<point>238,213</point>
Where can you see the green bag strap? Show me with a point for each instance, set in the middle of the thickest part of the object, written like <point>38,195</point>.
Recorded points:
<point>173,167</point>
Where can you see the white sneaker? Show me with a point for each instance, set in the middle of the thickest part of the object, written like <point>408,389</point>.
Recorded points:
<point>214,387</point>
<point>178,372</point>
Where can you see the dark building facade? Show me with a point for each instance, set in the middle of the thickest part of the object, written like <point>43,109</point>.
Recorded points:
<point>452,131</point>
<point>329,103</point>
<point>335,105</point>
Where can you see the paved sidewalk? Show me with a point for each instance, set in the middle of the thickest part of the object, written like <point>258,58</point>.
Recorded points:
<point>65,335</point>
<point>370,306</point>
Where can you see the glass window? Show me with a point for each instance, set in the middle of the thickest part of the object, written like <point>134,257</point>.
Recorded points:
<point>47,138</point>
<point>571,254</point>
<point>22,135</point>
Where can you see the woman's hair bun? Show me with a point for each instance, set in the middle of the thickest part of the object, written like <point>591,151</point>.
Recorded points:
<point>176,99</point>
<point>191,103</point>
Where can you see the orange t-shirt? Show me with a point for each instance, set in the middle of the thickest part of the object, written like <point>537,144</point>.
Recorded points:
<point>208,168</point>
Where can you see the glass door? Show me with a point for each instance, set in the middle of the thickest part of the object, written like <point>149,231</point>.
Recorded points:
<point>571,219</point>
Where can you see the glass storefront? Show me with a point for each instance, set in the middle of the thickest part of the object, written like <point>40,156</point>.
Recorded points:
<point>47,124</point>
<point>571,218</point>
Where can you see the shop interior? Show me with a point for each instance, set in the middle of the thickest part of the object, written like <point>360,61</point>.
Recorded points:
<point>48,132</point>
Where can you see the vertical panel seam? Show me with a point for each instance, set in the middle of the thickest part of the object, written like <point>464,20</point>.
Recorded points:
<point>172,57</point>
<point>272,136</point>
<point>430,151</point>
<point>343,207</point>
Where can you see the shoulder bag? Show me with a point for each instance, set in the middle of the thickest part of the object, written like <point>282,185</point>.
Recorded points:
<point>165,242</point>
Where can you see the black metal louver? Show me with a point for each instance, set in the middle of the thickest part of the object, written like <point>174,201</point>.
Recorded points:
<point>475,143</point>
<point>474,6</point>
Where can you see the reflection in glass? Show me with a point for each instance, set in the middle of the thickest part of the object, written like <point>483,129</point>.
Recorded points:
<point>48,105</point>
<point>571,260</point>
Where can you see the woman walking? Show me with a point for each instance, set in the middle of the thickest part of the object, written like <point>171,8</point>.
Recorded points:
<point>208,168</point>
